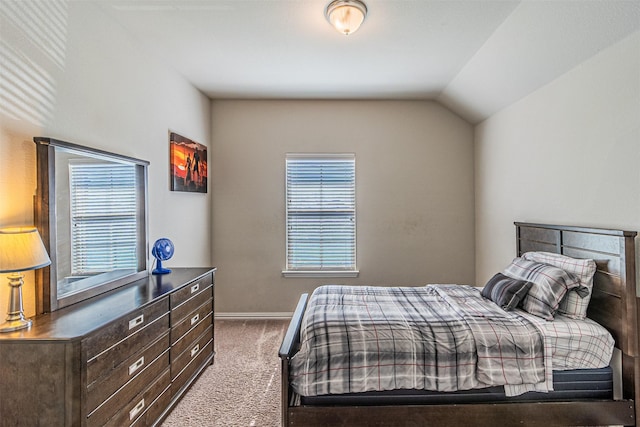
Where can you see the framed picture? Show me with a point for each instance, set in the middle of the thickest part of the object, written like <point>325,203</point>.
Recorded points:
<point>188,164</point>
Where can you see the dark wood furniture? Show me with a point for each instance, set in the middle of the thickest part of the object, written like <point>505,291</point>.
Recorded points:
<point>614,305</point>
<point>125,357</point>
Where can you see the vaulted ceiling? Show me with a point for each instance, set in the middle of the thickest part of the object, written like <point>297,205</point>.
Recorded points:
<point>474,56</point>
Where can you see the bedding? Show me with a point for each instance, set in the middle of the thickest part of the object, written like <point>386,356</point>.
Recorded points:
<point>574,343</point>
<point>573,305</point>
<point>438,337</point>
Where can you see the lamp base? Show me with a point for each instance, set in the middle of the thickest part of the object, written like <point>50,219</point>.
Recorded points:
<point>15,325</point>
<point>15,316</point>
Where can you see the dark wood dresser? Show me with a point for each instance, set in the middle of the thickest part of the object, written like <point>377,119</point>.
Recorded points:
<point>123,358</point>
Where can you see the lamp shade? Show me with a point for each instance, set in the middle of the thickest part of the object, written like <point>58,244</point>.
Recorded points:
<point>346,15</point>
<point>21,249</point>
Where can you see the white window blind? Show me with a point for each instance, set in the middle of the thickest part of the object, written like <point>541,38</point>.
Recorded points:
<point>103,217</point>
<point>321,213</point>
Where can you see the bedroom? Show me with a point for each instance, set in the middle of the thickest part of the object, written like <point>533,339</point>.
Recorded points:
<point>565,153</point>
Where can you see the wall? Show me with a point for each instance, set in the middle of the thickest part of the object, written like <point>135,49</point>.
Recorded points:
<point>414,190</point>
<point>567,154</point>
<point>73,75</point>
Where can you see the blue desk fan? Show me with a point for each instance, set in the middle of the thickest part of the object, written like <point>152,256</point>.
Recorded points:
<point>162,250</point>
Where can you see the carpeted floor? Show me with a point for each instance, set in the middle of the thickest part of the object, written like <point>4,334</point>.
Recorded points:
<point>242,387</point>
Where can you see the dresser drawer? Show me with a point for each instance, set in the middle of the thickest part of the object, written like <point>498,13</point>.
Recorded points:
<point>194,366</point>
<point>188,340</point>
<point>99,391</point>
<point>178,363</point>
<point>143,408</point>
<point>190,321</point>
<point>125,396</point>
<point>179,313</point>
<point>107,361</point>
<point>155,410</point>
<point>191,290</point>
<point>124,327</point>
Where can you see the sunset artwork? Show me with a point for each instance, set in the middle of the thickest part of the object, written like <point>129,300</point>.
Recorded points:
<point>188,164</point>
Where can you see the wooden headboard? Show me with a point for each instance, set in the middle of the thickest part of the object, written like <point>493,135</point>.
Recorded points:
<point>614,303</point>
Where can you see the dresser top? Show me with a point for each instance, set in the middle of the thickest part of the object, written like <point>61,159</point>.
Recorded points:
<point>76,321</point>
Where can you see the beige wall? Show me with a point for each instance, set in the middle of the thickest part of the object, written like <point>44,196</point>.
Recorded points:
<point>89,86</point>
<point>415,160</point>
<point>414,189</point>
<point>567,154</point>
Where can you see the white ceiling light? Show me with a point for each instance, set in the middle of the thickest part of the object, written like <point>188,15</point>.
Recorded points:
<point>346,15</point>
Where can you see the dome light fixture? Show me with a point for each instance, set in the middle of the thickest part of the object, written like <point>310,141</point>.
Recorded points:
<point>346,15</point>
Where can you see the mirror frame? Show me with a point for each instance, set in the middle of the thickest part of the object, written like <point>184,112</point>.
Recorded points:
<point>45,220</point>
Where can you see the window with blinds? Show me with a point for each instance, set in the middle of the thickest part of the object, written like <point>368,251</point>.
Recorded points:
<point>321,213</point>
<point>103,217</point>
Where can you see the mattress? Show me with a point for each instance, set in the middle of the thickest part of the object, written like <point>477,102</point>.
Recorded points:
<point>569,344</point>
<point>567,385</point>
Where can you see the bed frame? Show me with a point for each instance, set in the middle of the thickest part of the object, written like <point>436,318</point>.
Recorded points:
<point>614,304</point>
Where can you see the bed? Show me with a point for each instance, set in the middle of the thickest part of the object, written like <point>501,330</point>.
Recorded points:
<point>613,304</point>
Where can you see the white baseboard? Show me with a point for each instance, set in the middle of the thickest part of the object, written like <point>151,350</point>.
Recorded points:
<point>256,316</point>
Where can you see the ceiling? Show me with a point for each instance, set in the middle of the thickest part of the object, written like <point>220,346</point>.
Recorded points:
<point>474,56</point>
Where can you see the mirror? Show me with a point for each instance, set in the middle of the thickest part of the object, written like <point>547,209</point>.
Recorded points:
<point>91,213</point>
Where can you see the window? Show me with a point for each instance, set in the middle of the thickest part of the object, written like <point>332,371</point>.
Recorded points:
<point>321,214</point>
<point>103,217</point>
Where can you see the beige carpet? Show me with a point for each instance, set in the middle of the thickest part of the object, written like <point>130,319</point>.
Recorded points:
<point>242,387</point>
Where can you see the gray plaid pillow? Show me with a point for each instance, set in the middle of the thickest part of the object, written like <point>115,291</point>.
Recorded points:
<point>550,285</point>
<point>574,304</point>
<point>505,291</point>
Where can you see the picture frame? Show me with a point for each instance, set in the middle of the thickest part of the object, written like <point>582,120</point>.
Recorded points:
<point>188,164</point>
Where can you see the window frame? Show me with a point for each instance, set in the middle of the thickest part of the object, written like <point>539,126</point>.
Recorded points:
<point>289,271</point>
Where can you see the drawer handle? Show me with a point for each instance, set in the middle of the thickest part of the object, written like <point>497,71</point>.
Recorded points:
<point>195,349</point>
<point>137,365</point>
<point>135,322</point>
<point>194,319</point>
<point>136,410</point>
<point>195,288</point>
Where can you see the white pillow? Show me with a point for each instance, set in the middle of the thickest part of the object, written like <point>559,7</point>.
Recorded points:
<point>573,305</point>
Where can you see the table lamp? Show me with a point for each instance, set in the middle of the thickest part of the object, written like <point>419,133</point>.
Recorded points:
<point>21,249</point>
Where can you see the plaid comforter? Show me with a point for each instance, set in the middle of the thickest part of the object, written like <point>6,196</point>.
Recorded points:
<point>438,337</point>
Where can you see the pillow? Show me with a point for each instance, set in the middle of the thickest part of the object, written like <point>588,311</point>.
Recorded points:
<point>574,305</point>
<point>505,291</point>
<point>550,285</point>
